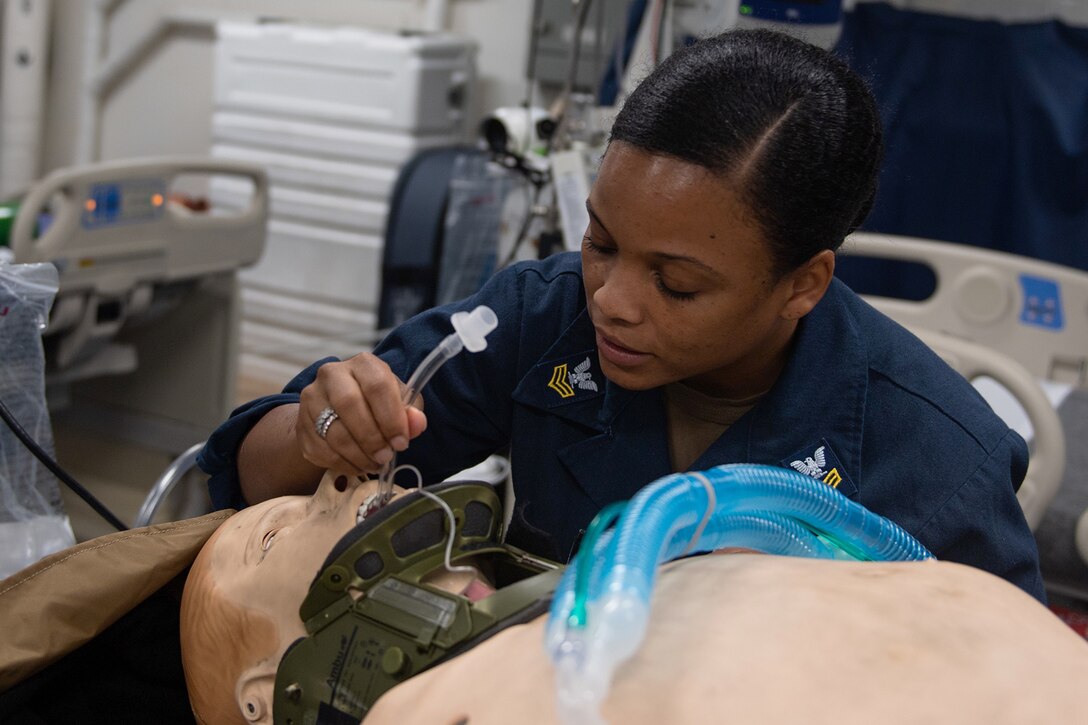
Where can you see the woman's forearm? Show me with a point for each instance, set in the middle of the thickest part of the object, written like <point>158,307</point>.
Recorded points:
<point>270,462</point>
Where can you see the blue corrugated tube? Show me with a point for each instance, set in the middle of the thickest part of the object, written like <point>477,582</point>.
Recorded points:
<point>765,508</point>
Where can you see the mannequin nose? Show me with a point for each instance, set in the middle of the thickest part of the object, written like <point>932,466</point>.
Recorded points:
<point>334,489</point>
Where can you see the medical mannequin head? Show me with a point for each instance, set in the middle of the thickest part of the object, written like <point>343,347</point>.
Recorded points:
<point>240,607</point>
<point>733,172</point>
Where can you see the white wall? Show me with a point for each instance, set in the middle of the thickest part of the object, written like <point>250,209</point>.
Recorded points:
<point>163,104</point>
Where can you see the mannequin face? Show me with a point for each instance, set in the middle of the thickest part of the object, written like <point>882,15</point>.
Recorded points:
<point>240,609</point>
<point>265,557</point>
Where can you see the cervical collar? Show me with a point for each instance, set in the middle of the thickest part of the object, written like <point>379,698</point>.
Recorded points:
<point>372,624</point>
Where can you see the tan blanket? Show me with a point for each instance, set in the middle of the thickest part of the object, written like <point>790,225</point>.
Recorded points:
<point>49,609</point>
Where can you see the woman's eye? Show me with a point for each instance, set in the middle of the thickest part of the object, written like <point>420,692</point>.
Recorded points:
<point>268,538</point>
<point>669,292</point>
<point>592,246</point>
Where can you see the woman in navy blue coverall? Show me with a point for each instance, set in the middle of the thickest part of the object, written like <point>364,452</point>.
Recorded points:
<point>701,324</point>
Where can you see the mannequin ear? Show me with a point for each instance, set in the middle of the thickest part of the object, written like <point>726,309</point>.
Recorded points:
<point>809,282</point>
<point>254,694</point>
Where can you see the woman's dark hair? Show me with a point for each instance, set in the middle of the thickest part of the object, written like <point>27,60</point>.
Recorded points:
<point>789,124</point>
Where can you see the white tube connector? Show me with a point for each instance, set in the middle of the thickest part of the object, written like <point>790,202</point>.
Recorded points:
<point>473,327</point>
<point>586,660</point>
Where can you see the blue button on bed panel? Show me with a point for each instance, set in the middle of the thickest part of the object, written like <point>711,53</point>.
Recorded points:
<point>124,202</point>
<point>1042,303</point>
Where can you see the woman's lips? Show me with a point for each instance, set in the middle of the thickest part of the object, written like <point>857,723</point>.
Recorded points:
<point>617,354</point>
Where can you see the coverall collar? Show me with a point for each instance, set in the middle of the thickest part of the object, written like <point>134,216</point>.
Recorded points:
<point>796,418</point>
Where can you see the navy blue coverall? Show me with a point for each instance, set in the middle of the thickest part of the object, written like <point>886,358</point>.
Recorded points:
<point>901,433</point>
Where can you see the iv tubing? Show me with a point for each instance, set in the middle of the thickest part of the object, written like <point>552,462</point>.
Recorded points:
<point>586,657</point>
<point>746,488</point>
<point>445,507</point>
<point>763,531</point>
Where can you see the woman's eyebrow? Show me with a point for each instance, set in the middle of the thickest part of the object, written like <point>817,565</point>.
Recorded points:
<point>597,219</point>
<point>667,257</point>
<point>664,256</point>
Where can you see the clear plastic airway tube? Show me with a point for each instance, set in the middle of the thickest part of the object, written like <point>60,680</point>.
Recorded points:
<point>470,333</point>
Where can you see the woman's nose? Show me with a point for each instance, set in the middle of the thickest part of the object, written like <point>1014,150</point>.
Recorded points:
<point>618,296</point>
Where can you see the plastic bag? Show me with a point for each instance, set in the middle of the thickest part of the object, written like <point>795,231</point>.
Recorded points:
<point>470,243</point>
<point>32,519</point>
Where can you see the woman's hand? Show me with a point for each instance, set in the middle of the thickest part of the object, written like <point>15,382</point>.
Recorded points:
<point>371,421</point>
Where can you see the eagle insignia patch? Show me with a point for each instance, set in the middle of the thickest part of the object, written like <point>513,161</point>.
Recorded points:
<point>565,383</point>
<point>820,462</point>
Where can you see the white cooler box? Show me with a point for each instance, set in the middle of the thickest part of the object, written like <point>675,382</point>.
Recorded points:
<point>333,113</point>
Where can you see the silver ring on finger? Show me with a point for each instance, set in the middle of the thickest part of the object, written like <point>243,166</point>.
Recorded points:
<point>324,419</point>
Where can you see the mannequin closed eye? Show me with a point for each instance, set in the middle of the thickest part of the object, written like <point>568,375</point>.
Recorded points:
<point>267,542</point>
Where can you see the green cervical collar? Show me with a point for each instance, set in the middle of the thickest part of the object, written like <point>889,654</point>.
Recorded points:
<point>357,647</point>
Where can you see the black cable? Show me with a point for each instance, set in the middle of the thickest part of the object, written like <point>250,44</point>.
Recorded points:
<point>559,108</point>
<point>539,179</point>
<point>576,46</point>
<point>581,12</point>
<point>523,232</point>
<point>57,471</point>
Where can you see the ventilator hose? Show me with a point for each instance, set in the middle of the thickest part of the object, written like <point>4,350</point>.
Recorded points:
<point>766,508</point>
<point>646,532</point>
<point>765,532</point>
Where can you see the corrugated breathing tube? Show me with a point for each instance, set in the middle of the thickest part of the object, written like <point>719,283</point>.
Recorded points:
<point>600,610</point>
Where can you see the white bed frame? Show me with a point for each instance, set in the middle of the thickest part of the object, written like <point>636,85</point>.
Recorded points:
<point>1014,319</point>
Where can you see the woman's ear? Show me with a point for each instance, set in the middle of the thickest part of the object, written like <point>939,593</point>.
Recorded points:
<point>254,693</point>
<point>809,282</point>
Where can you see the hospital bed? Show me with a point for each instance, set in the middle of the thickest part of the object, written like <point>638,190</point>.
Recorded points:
<point>1032,311</point>
<point>1024,324</point>
<point>148,294</point>
<point>119,236</point>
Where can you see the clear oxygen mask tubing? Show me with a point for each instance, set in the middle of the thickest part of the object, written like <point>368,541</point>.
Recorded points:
<point>600,610</point>
<point>470,333</point>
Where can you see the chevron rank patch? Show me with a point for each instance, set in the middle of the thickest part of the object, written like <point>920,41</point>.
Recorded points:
<point>580,374</point>
<point>820,462</point>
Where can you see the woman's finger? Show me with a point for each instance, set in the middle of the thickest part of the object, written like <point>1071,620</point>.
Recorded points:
<point>359,405</point>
